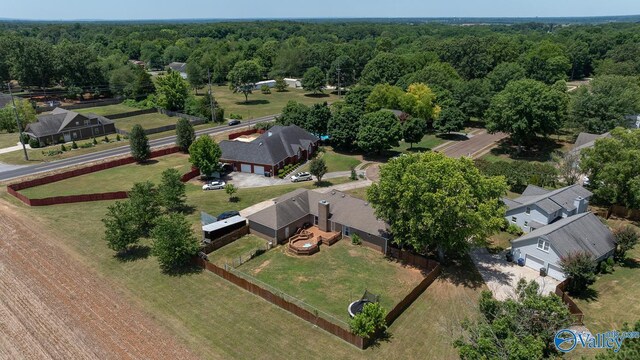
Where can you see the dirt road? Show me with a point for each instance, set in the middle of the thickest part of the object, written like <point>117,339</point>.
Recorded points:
<point>53,307</point>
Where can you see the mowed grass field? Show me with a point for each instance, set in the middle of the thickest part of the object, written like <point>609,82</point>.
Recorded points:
<point>119,178</point>
<point>217,320</point>
<point>428,142</point>
<point>334,277</point>
<point>8,139</point>
<point>336,161</point>
<point>147,121</point>
<point>260,104</point>
<point>107,110</point>
<point>241,248</point>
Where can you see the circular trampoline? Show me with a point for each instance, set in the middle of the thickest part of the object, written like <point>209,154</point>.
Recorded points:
<point>356,307</point>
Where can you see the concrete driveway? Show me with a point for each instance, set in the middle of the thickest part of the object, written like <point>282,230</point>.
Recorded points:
<point>246,180</point>
<point>502,277</point>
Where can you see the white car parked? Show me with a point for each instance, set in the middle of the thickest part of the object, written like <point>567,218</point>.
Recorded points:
<point>214,185</point>
<point>301,176</point>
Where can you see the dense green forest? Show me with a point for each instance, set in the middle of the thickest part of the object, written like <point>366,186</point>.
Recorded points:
<point>465,66</point>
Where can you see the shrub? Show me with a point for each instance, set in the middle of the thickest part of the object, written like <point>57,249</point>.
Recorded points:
<point>106,139</point>
<point>74,145</point>
<point>626,239</point>
<point>117,137</point>
<point>514,229</point>
<point>355,239</point>
<point>353,176</point>
<point>580,268</point>
<point>63,148</point>
<point>606,267</point>
<point>61,140</point>
<point>34,143</point>
<point>52,152</point>
<point>281,173</point>
<point>235,116</point>
<point>265,89</point>
<point>369,321</point>
<point>94,142</point>
<point>219,112</point>
<point>263,126</point>
<point>25,138</point>
<point>87,145</point>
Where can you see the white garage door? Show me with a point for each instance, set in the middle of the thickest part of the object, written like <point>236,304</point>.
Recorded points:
<point>245,168</point>
<point>555,272</point>
<point>533,262</point>
<point>258,169</point>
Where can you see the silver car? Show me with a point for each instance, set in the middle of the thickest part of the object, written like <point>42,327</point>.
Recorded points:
<point>214,185</point>
<point>301,176</point>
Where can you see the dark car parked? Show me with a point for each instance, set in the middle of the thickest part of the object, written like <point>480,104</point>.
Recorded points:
<point>234,122</point>
<point>227,214</point>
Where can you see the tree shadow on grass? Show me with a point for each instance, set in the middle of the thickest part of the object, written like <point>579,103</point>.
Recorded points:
<point>187,209</point>
<point>186,270</point>
<point>253,102</point>
<point>149,162</point>
<point>323,183</point>
<point>589,294</point>
<point>453,137</point>
<point>135,252</point>
<point>630,263</point>
<point>384,337</point>
<point>462,272</point>
<point>317,96</point>
<point>542,150</point>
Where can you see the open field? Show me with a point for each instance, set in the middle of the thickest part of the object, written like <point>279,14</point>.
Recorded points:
<point>8,139</point>
<point>242,247</point>
<point>194,307</point>
<point>613,299</point>
<point>147,121</point>
<point>260,104</point>
<point>119,178</point>
<point>334,277</point>
<point>107,110</point>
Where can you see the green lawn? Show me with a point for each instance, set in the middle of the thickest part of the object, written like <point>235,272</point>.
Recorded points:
<point>334,277</point>
<point>107,110</point>
<point>119,178</point>
<point>147,121</point>
<point>8,139</point>
<point>217,320</point>
<point>428,142</point>
<point>260,104</point>
<point>613,299</point>
<point>335,162</point>
<point>241,248</point>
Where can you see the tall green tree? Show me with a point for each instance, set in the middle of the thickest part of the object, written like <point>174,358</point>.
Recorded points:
<point>173,242</point>
<point>384,96</point>
<point>120,227</point>
<point>243,76</point>
<point>281,85</point>
<point>139,144</point>
<point>344,126</point>
<point>318,168</point>
<point>385,68</point>
<point>26,114</point>
<point>196,75</point>
<point>318,119</point>
<point>521,328</point>
<point>413,130</point>
<point>173,91</point>
<point>436,203</point>
<point>420,101</point>
<point>626,239</point>
<point>378,131</point>
<point>32,63</point>
<point>185,135</point>
<point>294,113</point>
<point>314,80</point>
<point>547,62</point>
<point>357,96</point>
<point>145,206</point>
<point>526,109</point>
<point>612,167</point>
<point>172,191</point>
<point>504,73</point>
<point>342,72</point>
<point>205,154</point>
<point>580,268</point>
<point>450,119</point>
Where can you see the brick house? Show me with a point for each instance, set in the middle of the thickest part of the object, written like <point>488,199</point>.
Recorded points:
<point>63,126</point>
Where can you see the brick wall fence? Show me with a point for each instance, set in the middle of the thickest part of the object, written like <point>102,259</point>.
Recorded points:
<point>576,313</point>
<point>430,266</point>
<point>13,189</point>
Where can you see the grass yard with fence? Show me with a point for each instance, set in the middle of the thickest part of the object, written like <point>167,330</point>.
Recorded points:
<point>120,178</point>
<point>238,251</point>
<point>334,277</point>
<point>107,109</point>
<point>147,121</point>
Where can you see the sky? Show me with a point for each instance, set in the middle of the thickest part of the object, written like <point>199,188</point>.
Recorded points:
<point>242,9</point>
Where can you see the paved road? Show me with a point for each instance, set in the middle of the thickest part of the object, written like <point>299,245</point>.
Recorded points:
<point>474,146</point>
<point>122,150</point>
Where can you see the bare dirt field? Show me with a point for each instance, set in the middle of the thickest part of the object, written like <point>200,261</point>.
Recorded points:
<point>51,306</point>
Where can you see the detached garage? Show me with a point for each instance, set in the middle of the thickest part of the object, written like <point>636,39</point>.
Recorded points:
<point>543,247</point>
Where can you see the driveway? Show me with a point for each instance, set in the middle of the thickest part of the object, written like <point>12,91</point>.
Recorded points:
<point>502,277</point>
<point>247,180</point>
<point>475,146</point>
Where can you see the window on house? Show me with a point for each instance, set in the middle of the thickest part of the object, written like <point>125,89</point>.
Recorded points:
<point>96,130</point>
<point>543,245</point>
<point>315,220</point>
<point>77,123</point>
<point>87,122</point>
<point>526,223</point>
<point>75,135</point>
<point>528,211</point>
<point>514,219</point>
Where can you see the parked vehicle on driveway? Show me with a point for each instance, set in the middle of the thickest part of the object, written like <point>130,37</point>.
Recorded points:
<point>228,214</point>
<point>214,185</point>
<point>301,176</point>
<point>233,122</point>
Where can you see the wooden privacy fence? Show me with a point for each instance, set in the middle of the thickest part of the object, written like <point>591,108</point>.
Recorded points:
<point>225,240</point>
<point>13,189</point>
<point>306,315</point>
<point>413,295</point>
<point>623,212</point>
<point>576,313</point>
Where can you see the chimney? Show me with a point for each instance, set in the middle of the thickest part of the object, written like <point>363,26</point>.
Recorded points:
<point>581,205</point>
<point>323,215</point>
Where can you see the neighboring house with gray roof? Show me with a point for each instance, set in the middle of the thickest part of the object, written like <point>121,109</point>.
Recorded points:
<point>179,67</point>
<point>271,151</point>
<point>543,248</point>
<point>587,140</point>
<point>537,207</point>
<point>63,126</point>
<point>346,214</point>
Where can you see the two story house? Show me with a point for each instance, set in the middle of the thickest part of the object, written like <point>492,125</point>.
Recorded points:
<point>64,125</point>
<point>538,207</point>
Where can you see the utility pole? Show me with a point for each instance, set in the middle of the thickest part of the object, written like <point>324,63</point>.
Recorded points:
<point>15,111</point>
<point>339,90</point>
<point>211,99</point>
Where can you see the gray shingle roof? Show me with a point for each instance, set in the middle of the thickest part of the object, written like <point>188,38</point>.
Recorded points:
<point>272,147</point>
<point>178,66</point>
<point>583,232</point>
<point>550,201</point>
<point>4,100</point>
<point>343,209</point>
<point>58,119</point>
<point>587,140</point>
